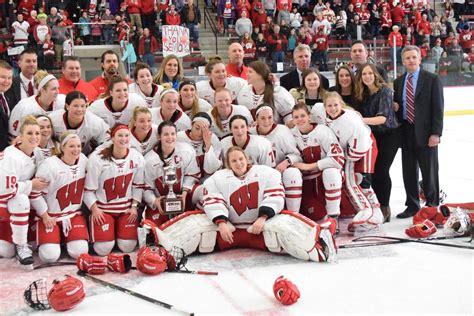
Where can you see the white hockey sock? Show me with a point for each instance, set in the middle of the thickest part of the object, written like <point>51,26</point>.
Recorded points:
<point>19,225</point>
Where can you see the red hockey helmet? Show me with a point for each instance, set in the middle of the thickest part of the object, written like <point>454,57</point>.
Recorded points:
<point>152,260</point>
<point>66,293</point>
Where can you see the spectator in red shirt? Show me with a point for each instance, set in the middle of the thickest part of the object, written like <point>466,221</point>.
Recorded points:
<point>148,14</point>
<point>397,14</point>
<point>277,43</point>
<point>236,67</point>
<point>173,17</point>
<point>466,39</point>
<point>260,17</point>
<point>320,48</point>
<point>134,11</point>
<point>243,5</point>
<point>395,40</point>
<point>424,25</point>
<point>249,48</point>
<point>147,45</point>
<point>71,79</point>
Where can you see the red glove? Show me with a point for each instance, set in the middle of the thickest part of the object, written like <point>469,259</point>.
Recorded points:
<point>285,291</point>
<point>437,215</point>
<point>119,262</point>
<point>90,264</point>
<point>423,230</point>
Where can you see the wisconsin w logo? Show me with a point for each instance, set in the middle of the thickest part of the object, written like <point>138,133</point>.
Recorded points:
<point>246,197</point>
<point>70,194</point>
<point>116,188</point>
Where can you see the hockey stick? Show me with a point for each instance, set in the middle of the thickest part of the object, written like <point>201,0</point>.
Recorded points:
<point>71,263</point>
<point>132,293</point>
<point>428,241</point>
<point>370,244</point>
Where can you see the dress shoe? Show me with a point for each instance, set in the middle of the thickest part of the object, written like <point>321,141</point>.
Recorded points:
<point>387,212</point>
<point>407,213</point>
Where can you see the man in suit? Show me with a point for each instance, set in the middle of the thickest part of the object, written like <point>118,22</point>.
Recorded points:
<point>23,85</point>
<point>302,58</point>
<point>360,55</point>
<point>419,95</point>
<point>6,77</point>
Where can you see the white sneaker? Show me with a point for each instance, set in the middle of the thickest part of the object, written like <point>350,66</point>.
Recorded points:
<point>24,254</point>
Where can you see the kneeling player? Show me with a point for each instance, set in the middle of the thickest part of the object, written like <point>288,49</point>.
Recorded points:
<point>59,204</point>
<point>114,183</point>
<point>243,208</point>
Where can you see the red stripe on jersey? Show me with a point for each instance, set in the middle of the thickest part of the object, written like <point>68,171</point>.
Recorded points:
<point>115,209</point>
<point>20,214</point>
<point>63,213</point>
<point>7,196</point>
<point>332,191</point>
<point>113,203</point>
<point>273,190</point>
<point>294,188</point>
<point>271,195</point>
<point>333,198</point>
<point>210,203</point>
<point>215,198</point>
<point>20,223</point>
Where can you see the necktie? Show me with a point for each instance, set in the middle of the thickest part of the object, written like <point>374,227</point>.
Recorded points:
<point>3,104</point>
<point>31,91</point>
<point>410,100</point>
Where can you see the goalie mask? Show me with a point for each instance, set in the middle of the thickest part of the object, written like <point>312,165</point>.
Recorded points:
<point>36,295</point>
<point>458,222</point>
<point>152,260</point>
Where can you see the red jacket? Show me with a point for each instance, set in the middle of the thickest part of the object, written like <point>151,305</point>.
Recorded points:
<point>466,39</point>
<point>272,40</point>
<point>397,15</point>
<point>134,6</point>
<point>398,39</point>
<point>173,19</point>
<point>320,42</point>
<point>141,45</point>
<point>425,26</point>
<point>259,19</point>
<point>148,7</point>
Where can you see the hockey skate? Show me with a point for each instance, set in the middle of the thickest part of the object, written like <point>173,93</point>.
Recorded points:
<point>24,254</point>
<point>327,241</point>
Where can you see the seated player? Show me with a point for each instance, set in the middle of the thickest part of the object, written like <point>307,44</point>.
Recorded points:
<point>243,208</point>
<point>321,165</point>
<point>360,152</point>
<point>59,204</point>
<point>285,153</point>
<point>113,190</point>
<point>168,152</point>
<point>17,168</point>
<point>49,144</point>
<point>144,87</point>
<point>189,102</point>
<point>258,149</point>
<point>144,134</point>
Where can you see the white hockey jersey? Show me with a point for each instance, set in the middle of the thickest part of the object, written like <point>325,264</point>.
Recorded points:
<point>30,106</point>
<point>16,171</point>
<point>152,101</point>
<point>321,146</point>
<point>352,133</point>
<point>225,131</point>
<point>206,91</point>
<point>43,153</point>
<point>208,162</point>
<point>93,131</point>
<point>203,105</point>
<point>238,198</point>
<point>283,143</point>
<point>187,172</point>
<point>180,119</point>
<point>283,102</point>
<point>63,197</point>
<point>103,109</point>
<point>258,149</point>
<point>112,184</point>
<point>148,143</point>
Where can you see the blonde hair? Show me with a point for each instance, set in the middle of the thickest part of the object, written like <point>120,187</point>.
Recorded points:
<point>215,112</point>
<point>28,120</point>
<point>159,78</point>
<point>40,74</point>
<point>334,94</point>
<point>231,150</point>
<point>138,110</point>
<point>57,150</point>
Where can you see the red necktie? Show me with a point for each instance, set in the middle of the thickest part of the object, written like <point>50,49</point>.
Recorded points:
<point>410,100</point>
<point>31,91</point>
<point>4,105</point>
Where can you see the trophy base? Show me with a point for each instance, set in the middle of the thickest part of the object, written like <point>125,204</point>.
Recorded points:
<point>172,206</point>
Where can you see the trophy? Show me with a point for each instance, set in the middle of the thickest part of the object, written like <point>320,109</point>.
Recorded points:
<point>172,205</point>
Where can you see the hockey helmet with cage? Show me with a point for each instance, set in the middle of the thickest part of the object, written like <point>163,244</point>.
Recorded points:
<point>66,293</point>
<point>152,260</point>
<point>36,295</point>
<point>459,222</point>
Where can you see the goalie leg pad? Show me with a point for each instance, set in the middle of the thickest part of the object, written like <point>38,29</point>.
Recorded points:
<point>186,231</point>
<point>296,235</point>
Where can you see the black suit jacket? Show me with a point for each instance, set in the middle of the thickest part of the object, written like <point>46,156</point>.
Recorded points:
<point>291,80</point>
<point>429,105</point>
<point>4,139</point>
<point>14,93</point>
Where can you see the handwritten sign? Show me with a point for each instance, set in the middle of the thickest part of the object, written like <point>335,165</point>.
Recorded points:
<point>175,40</point>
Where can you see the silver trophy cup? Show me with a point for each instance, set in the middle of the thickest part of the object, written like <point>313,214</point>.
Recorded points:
<point>172,205</point>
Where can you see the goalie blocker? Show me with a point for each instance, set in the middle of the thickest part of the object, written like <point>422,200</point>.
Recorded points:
<point>286,232</point>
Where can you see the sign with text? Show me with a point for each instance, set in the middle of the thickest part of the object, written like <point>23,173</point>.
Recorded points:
<point>175,40</point>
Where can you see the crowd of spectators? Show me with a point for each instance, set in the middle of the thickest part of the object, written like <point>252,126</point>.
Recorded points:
<point>270,29</point>
<point>267,29</point>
